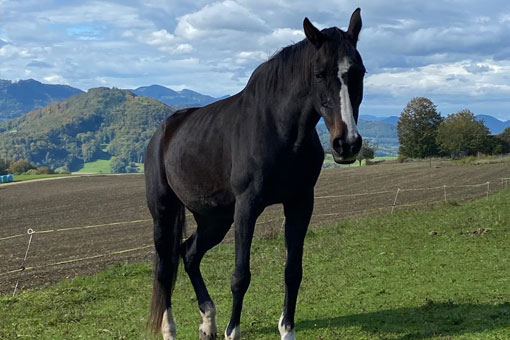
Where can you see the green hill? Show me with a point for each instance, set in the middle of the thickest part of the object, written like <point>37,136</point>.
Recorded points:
<point>90,126</point>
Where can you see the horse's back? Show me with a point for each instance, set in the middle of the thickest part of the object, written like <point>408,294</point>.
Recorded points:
<point>195,156</point>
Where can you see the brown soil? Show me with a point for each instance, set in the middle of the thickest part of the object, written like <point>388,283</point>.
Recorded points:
<point>118,225</point>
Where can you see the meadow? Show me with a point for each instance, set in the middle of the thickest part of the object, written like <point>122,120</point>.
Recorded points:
<point>436,274</point>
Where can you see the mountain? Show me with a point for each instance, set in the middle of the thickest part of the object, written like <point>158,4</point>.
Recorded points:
<point>176,99</point>
<point>495,125</point>
<point>371,118</point>
<point>379,132</point>
<point>17,98</point>
<point>97,124</point>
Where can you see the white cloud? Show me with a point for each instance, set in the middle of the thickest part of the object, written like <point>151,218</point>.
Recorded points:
<point>438,79</point>
<point>454,51</point>
<point>160,37</point>
<point>218,17</point>
<point>54,79</point>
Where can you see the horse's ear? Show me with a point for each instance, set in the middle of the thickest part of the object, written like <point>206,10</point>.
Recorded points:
<point>312,33</point>
<point>354,26</point>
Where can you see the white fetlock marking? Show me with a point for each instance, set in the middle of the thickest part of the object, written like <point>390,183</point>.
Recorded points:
<point>168,328</point>
<point>208,325</point>
<point>286,332</point>
<point>235,335</point>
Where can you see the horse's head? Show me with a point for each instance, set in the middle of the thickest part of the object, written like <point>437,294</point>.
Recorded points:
<point>337,84</point>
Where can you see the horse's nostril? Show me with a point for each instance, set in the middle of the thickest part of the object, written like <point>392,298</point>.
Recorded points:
<point>357,144</point>
<point>337,144</point>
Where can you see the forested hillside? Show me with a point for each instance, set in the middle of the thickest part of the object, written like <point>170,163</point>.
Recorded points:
<point>98,124</point>
<point>17,98</point>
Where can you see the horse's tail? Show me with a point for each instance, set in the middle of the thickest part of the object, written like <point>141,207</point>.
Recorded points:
<point>165,276</point>
<point>169,227</point>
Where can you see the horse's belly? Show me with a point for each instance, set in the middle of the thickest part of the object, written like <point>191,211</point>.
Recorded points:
<point>201,188</point>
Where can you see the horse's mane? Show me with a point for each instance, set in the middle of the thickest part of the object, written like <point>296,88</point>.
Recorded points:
<point>290,62</point>
<point>280,66</point>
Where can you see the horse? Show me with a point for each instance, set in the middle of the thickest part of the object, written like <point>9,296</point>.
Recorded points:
<point>227,161</point>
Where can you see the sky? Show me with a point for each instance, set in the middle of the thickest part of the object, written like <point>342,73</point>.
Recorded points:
<point>457,53</point>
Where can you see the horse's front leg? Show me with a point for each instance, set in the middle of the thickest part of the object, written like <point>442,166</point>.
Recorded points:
<point>297,217</point>
<point>245,216</point>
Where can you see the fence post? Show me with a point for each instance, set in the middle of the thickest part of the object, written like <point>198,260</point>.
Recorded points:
<point>395,201</point>
<point>30,232</point>
<point>444,191</point>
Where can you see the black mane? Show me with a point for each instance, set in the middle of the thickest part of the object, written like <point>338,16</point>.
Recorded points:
<point>288,63</point>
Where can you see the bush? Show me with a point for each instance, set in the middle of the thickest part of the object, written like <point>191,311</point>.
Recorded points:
<point>20,167</point>
<point>401,158</point>
<point>44,170</point>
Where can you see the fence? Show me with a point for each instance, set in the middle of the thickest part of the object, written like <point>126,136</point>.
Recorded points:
<point>391,200</point>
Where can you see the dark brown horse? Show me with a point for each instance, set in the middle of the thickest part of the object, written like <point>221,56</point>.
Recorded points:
<point>226,162</point>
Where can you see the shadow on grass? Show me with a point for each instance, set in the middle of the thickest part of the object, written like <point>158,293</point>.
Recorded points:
<point>430,320</point>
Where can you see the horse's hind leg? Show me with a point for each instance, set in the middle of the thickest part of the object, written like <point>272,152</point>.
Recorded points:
<point>169,219</point>
<point>210,232</point>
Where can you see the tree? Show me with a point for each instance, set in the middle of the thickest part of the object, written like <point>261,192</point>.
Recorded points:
<point>417,129</point>
<point>504,139</point>
<point>4,165</point>
<point>367,151</point>
<point>461,134</point>
<point>20,167</point>
<point>118,165</point>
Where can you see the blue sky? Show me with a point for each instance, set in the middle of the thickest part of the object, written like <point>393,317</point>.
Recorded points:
<point>456,53</point>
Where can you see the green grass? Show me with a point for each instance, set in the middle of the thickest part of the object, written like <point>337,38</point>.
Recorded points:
<point>101,166</point>
<point>382,277</point>
<point>19,178</point>
<point>482,159</point>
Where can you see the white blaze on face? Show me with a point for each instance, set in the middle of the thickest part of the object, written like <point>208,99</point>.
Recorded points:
<point>345,103</point>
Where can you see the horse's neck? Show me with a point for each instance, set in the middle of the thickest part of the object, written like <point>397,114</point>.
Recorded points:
<point>290,107</point>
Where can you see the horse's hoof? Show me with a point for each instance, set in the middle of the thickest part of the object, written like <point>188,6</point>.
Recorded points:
<point>203,336</point>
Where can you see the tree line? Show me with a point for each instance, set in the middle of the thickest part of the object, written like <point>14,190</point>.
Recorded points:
<point>422,133</point>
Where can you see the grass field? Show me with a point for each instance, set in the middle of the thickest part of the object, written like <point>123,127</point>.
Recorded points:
<point>441,274</point>
<point>101,166</point>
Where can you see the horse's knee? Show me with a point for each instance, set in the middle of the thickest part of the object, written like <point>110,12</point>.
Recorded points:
<point>240,281</point>
<point>293,276</point>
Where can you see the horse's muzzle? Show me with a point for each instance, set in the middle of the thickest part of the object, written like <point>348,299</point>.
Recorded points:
<point>345,152</point>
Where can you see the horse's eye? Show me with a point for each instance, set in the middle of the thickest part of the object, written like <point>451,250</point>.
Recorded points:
<point>319,76</point>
